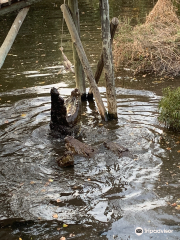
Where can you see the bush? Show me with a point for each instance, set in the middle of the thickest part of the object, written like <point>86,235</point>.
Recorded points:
<point>170,108</point>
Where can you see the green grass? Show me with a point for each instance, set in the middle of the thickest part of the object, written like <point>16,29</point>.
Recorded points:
<point>170,108</point>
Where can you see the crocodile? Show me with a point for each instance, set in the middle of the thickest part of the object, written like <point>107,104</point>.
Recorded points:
<point>73,147</point>
<point>115,147</point>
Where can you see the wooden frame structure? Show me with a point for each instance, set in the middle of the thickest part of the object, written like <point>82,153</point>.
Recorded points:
<point>7,6</point>
<point>79,72</point>
<point>71,16</point>
<point>106,60</point>
<point>8,42</point>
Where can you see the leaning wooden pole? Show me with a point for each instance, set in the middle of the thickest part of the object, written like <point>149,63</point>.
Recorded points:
<point>84,61</point>
<point>113,26</point>
<point>108,60</point>
<point>79,72</point>
<point>8,42</point>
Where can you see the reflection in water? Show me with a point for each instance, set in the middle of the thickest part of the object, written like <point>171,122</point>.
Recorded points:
<point>100,197</point>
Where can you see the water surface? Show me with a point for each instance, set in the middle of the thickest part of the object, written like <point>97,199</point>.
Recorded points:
<point>105,197</point>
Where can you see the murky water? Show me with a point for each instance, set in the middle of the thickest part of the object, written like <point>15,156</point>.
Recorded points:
<point>105,197</point>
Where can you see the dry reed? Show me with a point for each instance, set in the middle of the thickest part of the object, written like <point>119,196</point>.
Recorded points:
<point>153,47</point>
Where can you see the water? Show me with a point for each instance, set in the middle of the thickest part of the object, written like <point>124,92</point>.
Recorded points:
<point>105,197</point>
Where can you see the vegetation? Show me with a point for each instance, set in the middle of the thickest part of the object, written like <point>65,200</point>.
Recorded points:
<point>152,47</point>
<point>170,108</point>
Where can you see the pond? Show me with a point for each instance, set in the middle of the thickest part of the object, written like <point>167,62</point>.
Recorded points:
<point>105,197</point>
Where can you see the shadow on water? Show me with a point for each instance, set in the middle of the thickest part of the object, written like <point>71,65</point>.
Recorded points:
<point>105,197</point>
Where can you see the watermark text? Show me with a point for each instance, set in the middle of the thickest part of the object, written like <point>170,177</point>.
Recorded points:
<point>139,231</point>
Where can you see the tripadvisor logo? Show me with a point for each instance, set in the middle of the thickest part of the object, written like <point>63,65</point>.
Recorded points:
<point>139,231</point>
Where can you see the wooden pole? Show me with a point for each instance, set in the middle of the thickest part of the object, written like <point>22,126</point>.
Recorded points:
<point>7,44</point>
<point>113,26</point>
<point>108,61</point>
<point>16,6</point>
<point>84,61</point>
<point>79,73</point>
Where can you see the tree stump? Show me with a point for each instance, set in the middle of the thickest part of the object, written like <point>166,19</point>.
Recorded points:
<point>65,115</point>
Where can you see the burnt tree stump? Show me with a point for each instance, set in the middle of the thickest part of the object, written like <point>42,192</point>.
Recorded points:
<point>65,114</point>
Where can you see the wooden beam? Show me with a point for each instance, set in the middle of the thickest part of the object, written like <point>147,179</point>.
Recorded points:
<point>113,26</point>
<point>5,1</point>
<point>79,73</point>
<point>2,2</point>
<point>6,46</point>
<point>16,6</point>
<point>108,60</point>
<point>84,61</point>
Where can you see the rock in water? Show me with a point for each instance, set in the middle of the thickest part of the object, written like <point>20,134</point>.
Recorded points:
<point>65,114</point>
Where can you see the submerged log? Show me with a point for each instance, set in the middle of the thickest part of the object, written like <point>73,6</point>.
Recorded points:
<point>65,114</point>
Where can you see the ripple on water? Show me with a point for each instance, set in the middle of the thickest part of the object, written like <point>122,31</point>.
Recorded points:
<point>106,188</point>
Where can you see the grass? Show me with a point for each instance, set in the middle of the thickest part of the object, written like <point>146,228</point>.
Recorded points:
<point>169,107</point>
